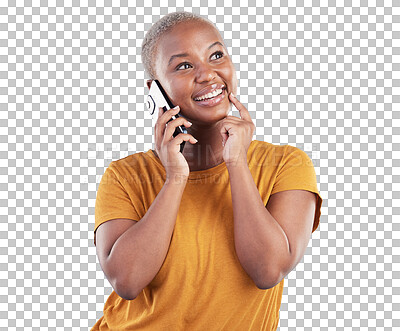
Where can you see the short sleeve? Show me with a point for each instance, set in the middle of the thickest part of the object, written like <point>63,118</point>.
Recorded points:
<point>112,200</point>
<point>296,172</point>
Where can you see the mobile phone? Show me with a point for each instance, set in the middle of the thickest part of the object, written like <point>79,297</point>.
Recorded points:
<point>157,98</point>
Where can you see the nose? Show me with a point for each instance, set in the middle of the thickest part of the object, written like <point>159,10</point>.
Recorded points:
<point>205,73</point>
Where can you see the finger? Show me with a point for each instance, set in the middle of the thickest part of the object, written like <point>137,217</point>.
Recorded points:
<point>167,115</point>
<point>225,137</point>
<point>162,120</point>
<point>225,126</point>
<point>156,126</point>
<point>171,126</point>
<point>244,113</point>
<point>180,138</point>
<point>175,143</point>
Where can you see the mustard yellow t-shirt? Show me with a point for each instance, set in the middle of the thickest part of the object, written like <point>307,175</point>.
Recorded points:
<point>201,284</point>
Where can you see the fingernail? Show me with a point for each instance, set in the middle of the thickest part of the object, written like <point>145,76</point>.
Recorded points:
<point>233,95</point>
<point>176,107</point>
<point>190,123</point>
<point>195,139</point>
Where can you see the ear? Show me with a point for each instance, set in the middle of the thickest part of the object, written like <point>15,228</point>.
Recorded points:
<point>149,81</point>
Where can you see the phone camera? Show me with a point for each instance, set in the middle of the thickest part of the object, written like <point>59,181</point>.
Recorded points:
<point>151,105</point>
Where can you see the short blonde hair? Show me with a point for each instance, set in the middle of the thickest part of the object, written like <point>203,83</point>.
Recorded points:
<point>163,25</point>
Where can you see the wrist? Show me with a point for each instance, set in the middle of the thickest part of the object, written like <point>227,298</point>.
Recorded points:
<point>177,179</point>
<point>239,162</point>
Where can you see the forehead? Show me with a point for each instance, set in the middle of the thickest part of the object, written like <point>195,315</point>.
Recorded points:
<point>192,36</point>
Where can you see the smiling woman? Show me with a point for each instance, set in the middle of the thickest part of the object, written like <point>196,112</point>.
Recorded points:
<point>208,244</point>
<point>194,67</point>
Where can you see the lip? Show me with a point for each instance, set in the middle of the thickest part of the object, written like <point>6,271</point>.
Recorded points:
<point>208,89</point>
<point>212,102</point>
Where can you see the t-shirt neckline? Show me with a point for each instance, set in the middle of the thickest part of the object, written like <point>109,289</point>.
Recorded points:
<point>193,175</point>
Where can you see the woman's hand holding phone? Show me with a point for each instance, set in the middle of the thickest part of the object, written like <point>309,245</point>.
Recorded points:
<point>168,147</point>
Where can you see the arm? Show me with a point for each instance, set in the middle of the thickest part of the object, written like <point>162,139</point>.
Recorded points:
<point>131,253</point>
<point>269,247</point>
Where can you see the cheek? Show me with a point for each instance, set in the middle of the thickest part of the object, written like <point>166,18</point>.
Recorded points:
<point>230,76</point>
<point>178,92</point>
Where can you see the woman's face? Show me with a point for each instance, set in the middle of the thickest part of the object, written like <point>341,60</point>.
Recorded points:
<point>191,62</point>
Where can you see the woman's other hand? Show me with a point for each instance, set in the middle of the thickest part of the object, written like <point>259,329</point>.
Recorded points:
<point>237,134</point>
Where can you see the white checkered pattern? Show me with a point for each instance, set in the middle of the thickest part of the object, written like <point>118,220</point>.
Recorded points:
<point>323,76</point>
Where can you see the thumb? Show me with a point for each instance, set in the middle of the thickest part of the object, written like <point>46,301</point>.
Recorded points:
<point>225,136</point>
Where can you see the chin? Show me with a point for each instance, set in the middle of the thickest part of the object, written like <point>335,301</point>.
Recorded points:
<point>218,112</point>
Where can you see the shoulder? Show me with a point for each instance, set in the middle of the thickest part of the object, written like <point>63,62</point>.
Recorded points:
<point>123,169</point>
<point>268,154</point>
<point>259,145</point>
<point>130,163</point>
<point>297,156</point>
<point>128,160</point>
<point>139,168</point>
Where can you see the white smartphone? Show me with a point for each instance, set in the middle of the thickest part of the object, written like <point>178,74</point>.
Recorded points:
<point>157,98</point>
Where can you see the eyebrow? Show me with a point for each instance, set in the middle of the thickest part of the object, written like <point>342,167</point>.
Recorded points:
<point>186,54</point>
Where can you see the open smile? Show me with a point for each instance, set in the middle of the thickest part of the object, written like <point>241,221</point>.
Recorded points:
<point>211,99</point>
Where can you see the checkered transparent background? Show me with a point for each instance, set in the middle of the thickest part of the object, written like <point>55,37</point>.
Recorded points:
<point>319,75</point>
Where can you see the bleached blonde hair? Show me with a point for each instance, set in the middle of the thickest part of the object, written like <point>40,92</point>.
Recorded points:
<point>163,25</point>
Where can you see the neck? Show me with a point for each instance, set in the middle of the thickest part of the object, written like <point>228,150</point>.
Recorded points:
<point>203,156</point>
<point>208,151</point>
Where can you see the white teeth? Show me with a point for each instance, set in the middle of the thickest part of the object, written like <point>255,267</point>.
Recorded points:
<point>209,95</point>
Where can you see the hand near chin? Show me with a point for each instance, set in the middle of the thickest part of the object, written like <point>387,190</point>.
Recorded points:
<point>237,134</point>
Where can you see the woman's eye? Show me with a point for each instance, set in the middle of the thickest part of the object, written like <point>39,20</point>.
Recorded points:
<point>182,65</point>
<point>220,54</point>
<point>186,65</point>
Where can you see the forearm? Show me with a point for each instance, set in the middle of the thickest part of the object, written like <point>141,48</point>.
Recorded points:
<point>260,242</point>
<point>138,254</point>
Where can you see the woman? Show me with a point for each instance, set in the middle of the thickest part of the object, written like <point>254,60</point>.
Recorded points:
<point>201,239</point>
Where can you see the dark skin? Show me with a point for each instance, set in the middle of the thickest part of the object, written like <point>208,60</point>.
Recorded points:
<point>270,241</point>
<point>186,75</point>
